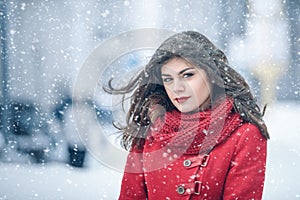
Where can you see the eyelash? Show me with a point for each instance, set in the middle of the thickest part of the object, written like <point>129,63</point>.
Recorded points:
<point>186,75</point>
<point>166,80</point>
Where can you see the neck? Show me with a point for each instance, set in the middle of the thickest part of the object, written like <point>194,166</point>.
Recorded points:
<point>204,106</point>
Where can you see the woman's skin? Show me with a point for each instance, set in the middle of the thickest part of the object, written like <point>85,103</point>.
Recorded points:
<point>186,85</point>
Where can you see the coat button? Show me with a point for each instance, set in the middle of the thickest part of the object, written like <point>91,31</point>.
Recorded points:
<point>187,163</point>
<point>180,190</point>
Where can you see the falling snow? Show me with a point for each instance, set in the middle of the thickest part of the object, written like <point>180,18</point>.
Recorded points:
<point>44,45</point>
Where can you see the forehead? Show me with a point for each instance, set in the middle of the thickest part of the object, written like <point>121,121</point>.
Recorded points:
<point>176,65</point>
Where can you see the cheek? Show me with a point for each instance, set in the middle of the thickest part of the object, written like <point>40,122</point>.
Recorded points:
<point>202,90</point>
<point>169,93</point>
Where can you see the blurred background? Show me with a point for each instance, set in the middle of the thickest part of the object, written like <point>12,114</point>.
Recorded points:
<point>45,43</point>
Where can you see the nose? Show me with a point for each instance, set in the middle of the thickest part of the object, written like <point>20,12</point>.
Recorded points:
<point>178,86</point>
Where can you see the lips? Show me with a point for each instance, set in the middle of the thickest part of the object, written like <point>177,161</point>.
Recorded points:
<point>181,100</point>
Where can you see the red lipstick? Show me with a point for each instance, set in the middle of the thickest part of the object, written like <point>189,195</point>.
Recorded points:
<point>181,100</point>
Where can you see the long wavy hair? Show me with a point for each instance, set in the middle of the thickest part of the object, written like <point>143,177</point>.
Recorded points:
<point>148,91</point>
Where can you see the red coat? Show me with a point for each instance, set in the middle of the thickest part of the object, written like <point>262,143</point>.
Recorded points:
<point>235,169</point>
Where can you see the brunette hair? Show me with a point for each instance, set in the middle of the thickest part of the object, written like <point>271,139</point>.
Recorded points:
<point>149,92</point>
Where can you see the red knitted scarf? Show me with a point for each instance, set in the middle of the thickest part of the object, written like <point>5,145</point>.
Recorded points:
<point>196,133</point>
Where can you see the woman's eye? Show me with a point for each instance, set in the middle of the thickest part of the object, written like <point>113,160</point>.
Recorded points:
<point>166,80</point>
<point>187,75</point>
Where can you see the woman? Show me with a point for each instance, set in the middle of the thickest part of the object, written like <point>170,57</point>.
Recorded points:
<point>194,130</point>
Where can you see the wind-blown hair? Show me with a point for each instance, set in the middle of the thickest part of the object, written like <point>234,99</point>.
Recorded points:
<point>149,92</point>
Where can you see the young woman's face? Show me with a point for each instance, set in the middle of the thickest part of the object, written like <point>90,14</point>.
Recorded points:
<point>186,85</point>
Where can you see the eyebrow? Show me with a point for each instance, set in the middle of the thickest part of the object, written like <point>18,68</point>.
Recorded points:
<point>181,72</point>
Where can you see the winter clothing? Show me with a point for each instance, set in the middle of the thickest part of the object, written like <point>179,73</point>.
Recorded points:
<point>233,167</point>
<point>184,132</point>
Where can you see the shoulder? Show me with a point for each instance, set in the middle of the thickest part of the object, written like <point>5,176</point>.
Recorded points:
<point>247,130</point>
<point>248,136</point>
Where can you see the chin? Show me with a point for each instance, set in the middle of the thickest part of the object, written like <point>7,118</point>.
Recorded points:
<point>187,110</point>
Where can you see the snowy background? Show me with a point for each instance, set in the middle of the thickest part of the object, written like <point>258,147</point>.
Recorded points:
<point>97,181</point>
<point>44,45</point>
